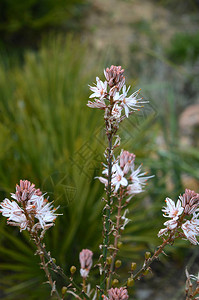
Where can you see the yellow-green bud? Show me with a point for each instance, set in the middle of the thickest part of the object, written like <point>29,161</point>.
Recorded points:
<point>73,269</point>
<point>111,247</point>
<point>146,272</point>
<point>109,260</point>
<point>118,263</point>
<point>147,255</point>
<point>130,282</point>
<point>54,260</point>
<point>133,266</point>
<point>119,245</point>
<point>64,290</point>
<point>115,282</point>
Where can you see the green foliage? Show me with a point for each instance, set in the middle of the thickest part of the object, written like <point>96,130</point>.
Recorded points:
<point>50,137</point>
<point>184,47</point>
<point>25,22</point>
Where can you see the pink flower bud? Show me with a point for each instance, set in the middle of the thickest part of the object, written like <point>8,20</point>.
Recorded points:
<point>25,190</point>
<point>114,76</point>
<point>86,262</point>
<point>190,201</point>
<point>118,294</point>
<point>126,160</point>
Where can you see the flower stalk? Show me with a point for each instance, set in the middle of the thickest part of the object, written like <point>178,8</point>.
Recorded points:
<point>116,237</point>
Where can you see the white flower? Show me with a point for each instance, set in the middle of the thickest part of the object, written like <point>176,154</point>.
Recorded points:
<point>99,90</point>
<point>117,97</point>
<point>44,212</point>
<point>118,178</point>
<point>97,104</point>
<point>191,230</point>
<point>103,180</point>
<point>116,111</point>
<point>138,180</point>
<point>134,188</point>
<point>162,232</point>
<point>172,210</point>
<point>195,277</point>
<point>131,101</point>
<point>126,220</point>
<point>14,213</point>
<point>170,225</point>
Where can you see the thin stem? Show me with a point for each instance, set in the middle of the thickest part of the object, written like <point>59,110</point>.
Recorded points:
<point>84,286</point>
<point>36,239</point>
<point>117,235</point>
<point>195,292</point>
<point>44,266</point>
<point>59,271</point>
<point>154,257</point>
<point>107,215</point>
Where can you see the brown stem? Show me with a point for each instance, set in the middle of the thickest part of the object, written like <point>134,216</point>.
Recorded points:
<point>117,235</point>
<point>59,271</point>
<point>195,292</point>
<point>45,268</point>
<point>36,239</point>
<point>154,257</point>
<point>84,286</point>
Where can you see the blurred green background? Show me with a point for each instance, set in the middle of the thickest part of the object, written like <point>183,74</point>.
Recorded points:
<point>49,52</point>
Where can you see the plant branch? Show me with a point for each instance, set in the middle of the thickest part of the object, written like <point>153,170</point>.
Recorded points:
<point>149,261</point>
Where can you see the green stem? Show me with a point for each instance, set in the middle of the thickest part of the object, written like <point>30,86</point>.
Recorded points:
<point>107,216</point>
<point>117,235</point>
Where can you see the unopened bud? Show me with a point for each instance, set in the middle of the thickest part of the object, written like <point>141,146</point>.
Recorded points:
<point>111,247</point>
<point>115,282</point>
<point>64,290</point>
<point>54,260</point>
<point>147,255</point>
<point>130,282</point>
<point>119,245</point>
<point>109,260</point>
<point>73,269</point>
<point>133,266</point>
<point>146,272</point>
<point>118,263</point>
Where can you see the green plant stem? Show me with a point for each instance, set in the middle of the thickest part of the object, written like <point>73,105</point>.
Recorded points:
<point>107,215</point>
<point>117,235</point>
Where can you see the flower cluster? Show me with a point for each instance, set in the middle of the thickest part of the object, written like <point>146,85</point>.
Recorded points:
<point>187,206</point>
<point>109,92</point>
<point>126,175</point>
<point>117,294</point>
<point>86,262</point>
<point>28,204</point>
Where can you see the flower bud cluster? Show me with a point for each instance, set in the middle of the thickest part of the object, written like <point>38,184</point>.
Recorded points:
<point>29,204</point>
<point>126,175</point>
<point>108,94</point>
<point>183,215</point>
<point>117,294</point>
